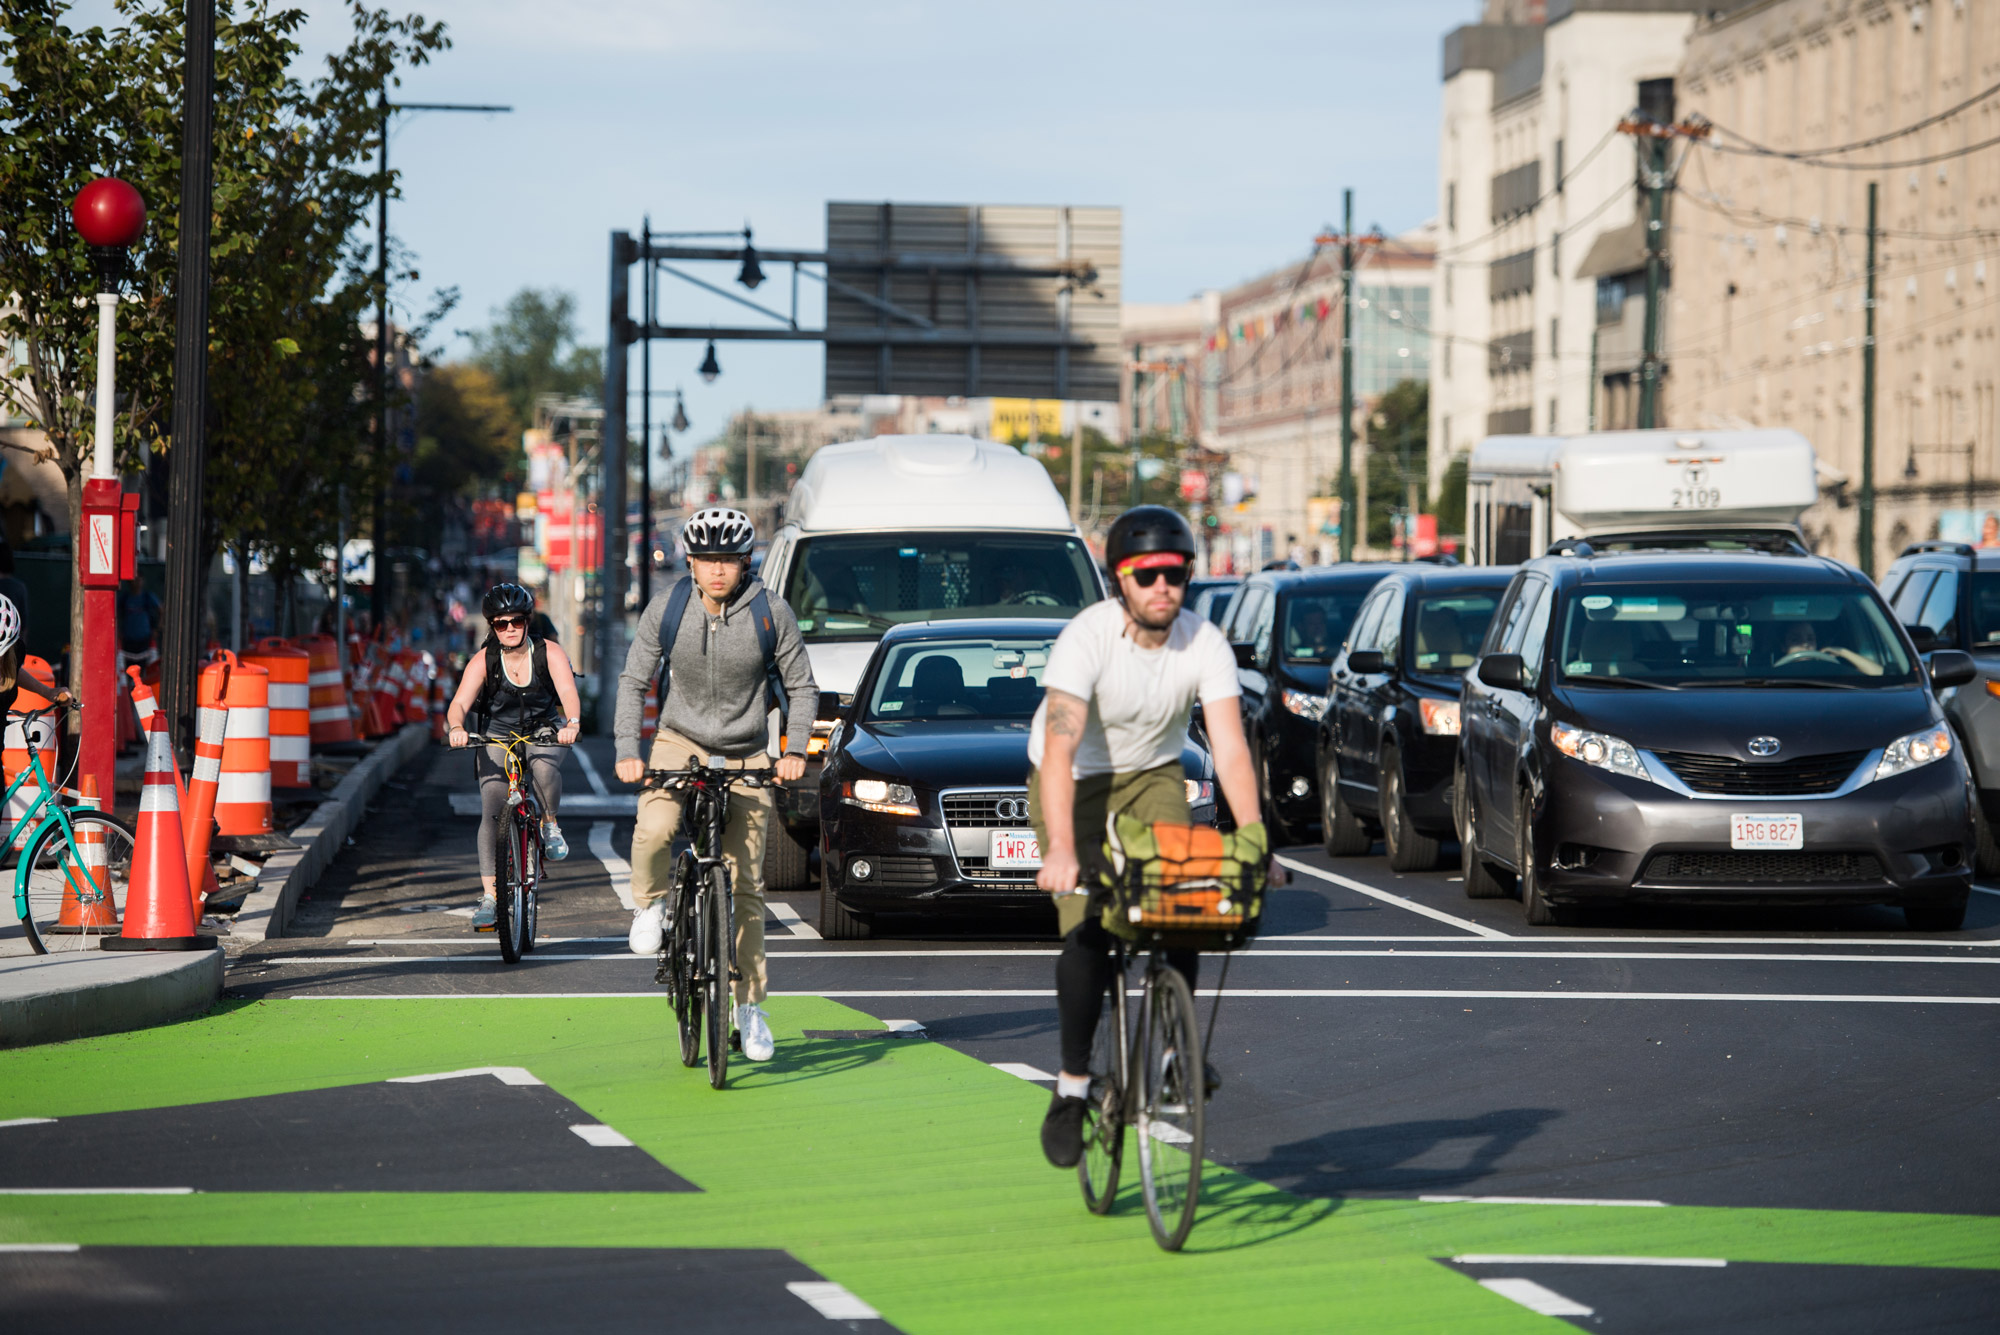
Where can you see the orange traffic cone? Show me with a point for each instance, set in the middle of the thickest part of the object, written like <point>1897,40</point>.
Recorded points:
<point>100,915</point>
<point>148,706</point>
<point>159,912</point>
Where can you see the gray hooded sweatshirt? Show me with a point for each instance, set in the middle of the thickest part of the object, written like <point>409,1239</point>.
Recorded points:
<point>716,697</point>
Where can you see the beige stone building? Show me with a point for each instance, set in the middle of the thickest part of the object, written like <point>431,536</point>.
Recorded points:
<point>1767,309</point>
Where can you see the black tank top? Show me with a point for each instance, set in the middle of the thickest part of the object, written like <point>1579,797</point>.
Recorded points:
<point>520,708</point>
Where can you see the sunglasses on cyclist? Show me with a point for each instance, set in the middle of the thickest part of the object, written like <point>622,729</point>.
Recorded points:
<point>1176,575</point>
<point>509,623</point>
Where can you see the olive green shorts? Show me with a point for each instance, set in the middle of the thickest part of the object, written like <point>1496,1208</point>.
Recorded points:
<point>1151,795</point>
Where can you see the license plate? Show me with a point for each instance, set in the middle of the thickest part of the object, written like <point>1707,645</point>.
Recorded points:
<point>1761,831</point>
<point>1016,848</point>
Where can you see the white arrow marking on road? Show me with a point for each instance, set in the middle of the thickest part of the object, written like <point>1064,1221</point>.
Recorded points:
<point>616,867</point>
<point>1537,1298</point>
<point>1412,905</point>
<point>506,1075</point>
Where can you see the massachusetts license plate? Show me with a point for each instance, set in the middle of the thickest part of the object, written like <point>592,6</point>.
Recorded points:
<point>1016,848</point>
<point>1761,831</point>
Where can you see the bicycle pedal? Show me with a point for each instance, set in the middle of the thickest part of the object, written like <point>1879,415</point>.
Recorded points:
<point>735,1040</point>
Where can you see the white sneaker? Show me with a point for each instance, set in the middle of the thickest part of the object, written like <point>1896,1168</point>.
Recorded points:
<point>553,842</point>
<point>649,928</point>
<point>756,1031</point>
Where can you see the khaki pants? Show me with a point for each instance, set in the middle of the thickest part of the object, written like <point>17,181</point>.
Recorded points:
<point>659,820</point>
<point>1158,794</point>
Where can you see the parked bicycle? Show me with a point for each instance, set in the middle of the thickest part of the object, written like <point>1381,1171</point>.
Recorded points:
<point>73,862</point>
<point>1148,1066</point>
<point>698,958</point>
<point>517,862</point>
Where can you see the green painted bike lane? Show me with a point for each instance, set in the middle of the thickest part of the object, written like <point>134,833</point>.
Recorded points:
<point>903,1169</point>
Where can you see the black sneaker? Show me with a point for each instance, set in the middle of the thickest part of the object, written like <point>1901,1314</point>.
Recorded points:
<point>1062,1132</point>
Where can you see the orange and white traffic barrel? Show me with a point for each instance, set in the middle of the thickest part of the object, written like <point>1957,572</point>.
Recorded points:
<point>442,689</point>
<point>19,739</point>
<point>243,793</point>
<point>291,708</point>
<point>328,718</point>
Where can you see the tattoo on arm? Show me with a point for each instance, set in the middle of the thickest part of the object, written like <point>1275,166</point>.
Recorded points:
<point>1067,715</point>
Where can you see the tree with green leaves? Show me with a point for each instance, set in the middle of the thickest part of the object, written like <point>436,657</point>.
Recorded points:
<point>1398,442</point>
<point>531,349</point>
<point>288,285</point>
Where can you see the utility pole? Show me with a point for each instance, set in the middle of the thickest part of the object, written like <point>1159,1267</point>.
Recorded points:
<point>1348,517</point>
<point>1655,138</point>
<point>181,643</point>
<point>611,500</point>
<point>1865,527</point>
<point>646,434</point>
<point>1138,384</point>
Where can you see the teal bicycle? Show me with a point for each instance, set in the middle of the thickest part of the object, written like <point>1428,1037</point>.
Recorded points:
<point>72,863</point>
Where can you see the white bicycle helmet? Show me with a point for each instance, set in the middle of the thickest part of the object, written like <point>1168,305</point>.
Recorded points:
<point>10,624</point>
<point>718,531</point>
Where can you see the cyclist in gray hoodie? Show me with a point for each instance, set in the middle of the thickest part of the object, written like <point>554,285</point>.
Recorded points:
<point>717,703</point>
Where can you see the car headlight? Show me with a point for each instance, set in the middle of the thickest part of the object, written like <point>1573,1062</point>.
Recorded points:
<point>1200,792</point>
<point>1304,704</point>
<point>1440,716</point>
<point>891,799</point>
<point>1599,749</point>
<point>1914,751</point>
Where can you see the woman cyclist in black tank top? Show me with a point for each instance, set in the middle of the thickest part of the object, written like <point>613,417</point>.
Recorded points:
<point>519,684</point>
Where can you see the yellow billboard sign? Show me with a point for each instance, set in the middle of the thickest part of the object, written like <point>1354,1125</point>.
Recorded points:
<point>1016,420</point>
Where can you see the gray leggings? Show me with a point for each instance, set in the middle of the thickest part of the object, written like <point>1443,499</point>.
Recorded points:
<point>489,763</point>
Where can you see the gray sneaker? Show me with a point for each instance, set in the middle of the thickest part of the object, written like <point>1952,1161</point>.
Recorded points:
<point>553,842</point>
<point>483,916</point>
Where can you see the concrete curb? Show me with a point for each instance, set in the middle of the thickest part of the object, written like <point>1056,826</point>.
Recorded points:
<point>268,908</point>
<point>49,998</point>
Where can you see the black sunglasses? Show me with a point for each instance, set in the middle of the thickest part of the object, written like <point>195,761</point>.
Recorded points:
<point>509,623</point>
<point>1173,575</point>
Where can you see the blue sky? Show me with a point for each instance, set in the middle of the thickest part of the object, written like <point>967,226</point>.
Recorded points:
<point>1225,131</point>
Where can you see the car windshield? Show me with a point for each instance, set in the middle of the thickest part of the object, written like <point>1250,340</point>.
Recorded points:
<point>1316,624</point>
<point>960,679</point>
<point>1731,635</point>
<point>1449,629</point>
<point>849,585</point>
<point>1986,608</point>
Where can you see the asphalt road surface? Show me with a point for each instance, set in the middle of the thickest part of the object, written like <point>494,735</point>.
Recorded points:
<point>1386,1045</point>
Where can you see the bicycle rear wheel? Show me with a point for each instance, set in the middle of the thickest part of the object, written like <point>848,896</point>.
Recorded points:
<point>684,959</point>
<point>715,923</point>
<point>1170,1121</point>
<point>69,905</point>
<point>1104,1111</point>
<point>509,895</point>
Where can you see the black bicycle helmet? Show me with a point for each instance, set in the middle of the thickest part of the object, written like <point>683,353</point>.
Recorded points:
<point>507,600</point>
<point>1144,530</point>
<point>718,531</point>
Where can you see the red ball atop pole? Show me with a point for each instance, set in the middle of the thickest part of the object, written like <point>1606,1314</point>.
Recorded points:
<point>109,212</point>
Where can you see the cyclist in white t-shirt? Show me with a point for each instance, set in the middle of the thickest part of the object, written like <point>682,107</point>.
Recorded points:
<point>1121,683</point>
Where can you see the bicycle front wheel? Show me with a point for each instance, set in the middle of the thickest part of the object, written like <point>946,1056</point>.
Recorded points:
<point>531,861</point>
<point>1170,1121</point>
<point>509,892</point>
<point>715,921</point>
<point>684,959</point>
<point>67,894</point>
<point>1105,1111</point>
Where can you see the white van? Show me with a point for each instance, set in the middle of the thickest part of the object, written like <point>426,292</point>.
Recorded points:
<point>916,528</point>
<point>1524,493</point>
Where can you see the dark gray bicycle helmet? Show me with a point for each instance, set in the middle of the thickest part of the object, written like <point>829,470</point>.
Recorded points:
<point>1144,530</point>
<point>507,600</point>
<point>718,531</point>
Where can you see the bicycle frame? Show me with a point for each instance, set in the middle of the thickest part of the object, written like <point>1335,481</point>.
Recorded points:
<point>87,892</point>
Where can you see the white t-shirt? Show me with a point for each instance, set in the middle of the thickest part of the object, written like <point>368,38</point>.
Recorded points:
<point>1140,699</point>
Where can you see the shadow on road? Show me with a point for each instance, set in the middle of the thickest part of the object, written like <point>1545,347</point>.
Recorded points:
<point>1400,1156</point>
<point>1238,1212</point>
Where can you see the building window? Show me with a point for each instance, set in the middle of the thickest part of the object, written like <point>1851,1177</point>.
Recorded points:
<point>1555,254</point>
<point>1447,283</point>
<point>1552,417</point>
<point>1555,336</point>
<point>1559,167</point>
<point>1451,206</point>
<point>1611,299</point>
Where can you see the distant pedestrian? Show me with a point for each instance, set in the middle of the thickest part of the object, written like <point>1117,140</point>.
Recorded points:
<point>138,621</point>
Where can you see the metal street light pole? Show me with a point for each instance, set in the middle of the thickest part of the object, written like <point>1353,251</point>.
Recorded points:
<point>1348,518</point>
<point>646,435</point>
<point>181,639</point>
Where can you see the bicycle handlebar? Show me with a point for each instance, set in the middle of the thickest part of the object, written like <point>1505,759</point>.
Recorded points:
<point>681,778</point>
<point>539,737</point>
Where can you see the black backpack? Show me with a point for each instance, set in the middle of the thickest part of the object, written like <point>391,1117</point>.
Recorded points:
<point>483,705</point>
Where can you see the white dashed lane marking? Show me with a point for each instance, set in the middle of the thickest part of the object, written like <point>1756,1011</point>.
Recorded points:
<point>832,1301</point>
<point>603,1137</point>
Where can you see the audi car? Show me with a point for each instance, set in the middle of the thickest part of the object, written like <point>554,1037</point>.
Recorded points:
<point>1717,726</point>
<point>924,795</point>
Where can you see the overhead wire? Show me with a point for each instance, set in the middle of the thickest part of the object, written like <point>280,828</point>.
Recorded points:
<point>1835,150</point>
<point>1544,198</point>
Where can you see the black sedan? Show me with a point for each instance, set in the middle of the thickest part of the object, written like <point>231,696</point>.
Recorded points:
<point>924,796</point>
<point>1287,626</point>
<point>1390,735</point>
<point>1721,728</point>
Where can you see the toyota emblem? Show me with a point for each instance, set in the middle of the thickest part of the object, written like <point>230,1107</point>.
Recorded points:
<point>1763,746</point>
<point>1011,808</point>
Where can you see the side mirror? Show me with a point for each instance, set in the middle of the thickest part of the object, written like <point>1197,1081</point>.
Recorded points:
<point>830,705</point>
<point>1366,661</point>
<point>1923,637</point>
<point>1952,667</point>
<point>1246,654</point>
<point>1501,671</point>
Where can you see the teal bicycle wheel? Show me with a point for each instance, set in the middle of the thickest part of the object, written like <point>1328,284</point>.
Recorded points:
<point>68,895</point>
